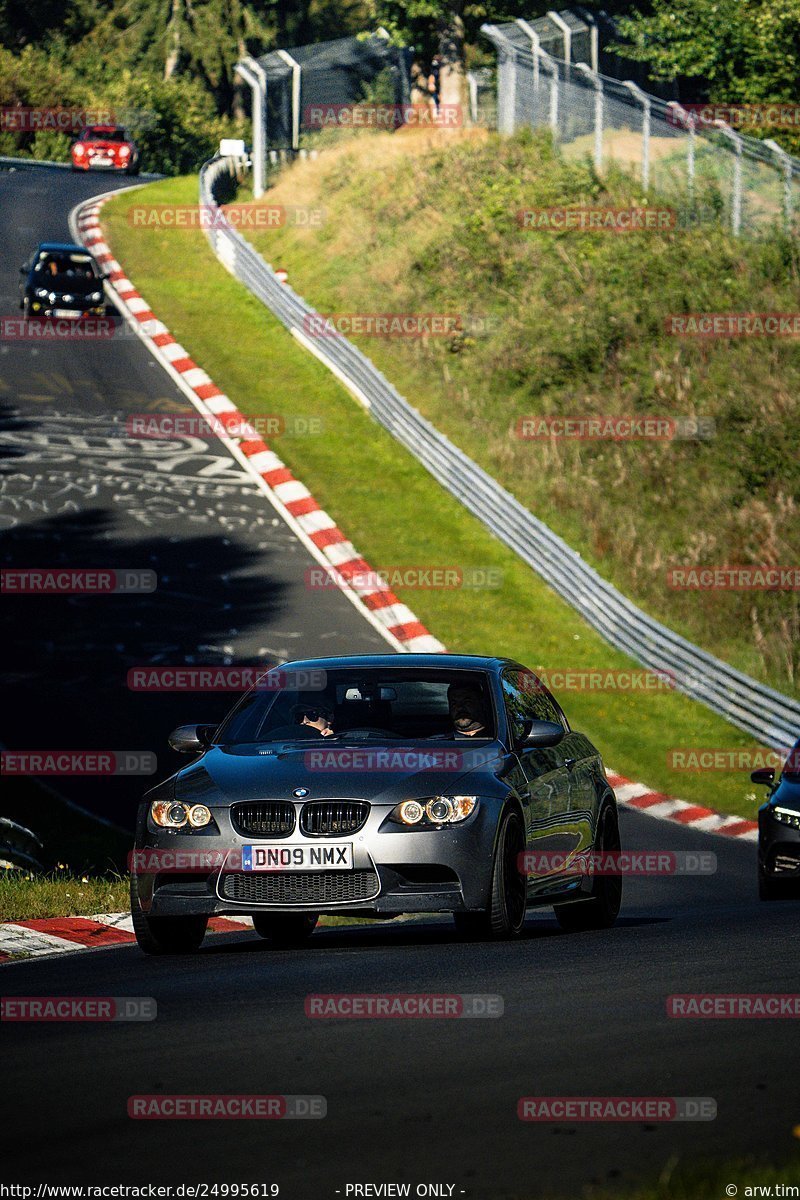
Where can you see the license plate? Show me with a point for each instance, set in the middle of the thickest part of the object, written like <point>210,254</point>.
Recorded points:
<point>67,312</point>
<point>291,856</point>
<point>100,160</point>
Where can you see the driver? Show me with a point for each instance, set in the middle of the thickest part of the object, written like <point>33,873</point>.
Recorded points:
<point>467,710</point>
<point>316,717</point>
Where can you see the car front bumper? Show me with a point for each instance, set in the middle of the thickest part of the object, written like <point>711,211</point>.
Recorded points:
<point>778,849</point>
<point>395,870</point>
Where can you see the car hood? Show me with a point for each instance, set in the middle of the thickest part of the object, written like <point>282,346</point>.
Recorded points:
<point>382,774</point>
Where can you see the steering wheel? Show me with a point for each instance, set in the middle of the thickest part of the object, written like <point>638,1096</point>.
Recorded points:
<point>367,729</point>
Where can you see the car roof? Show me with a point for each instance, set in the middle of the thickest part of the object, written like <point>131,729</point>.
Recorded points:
<point>63,248</point>
<point>105,129</point>
<point>451,662</point>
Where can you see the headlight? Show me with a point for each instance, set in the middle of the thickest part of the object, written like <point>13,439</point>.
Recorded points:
<point>42,293</point>
<point>787,816</point>
<point>124,151</point>
<point>171,814</point>
<point>95,297</point>
<point>438,810</point>
<point>78,150</point>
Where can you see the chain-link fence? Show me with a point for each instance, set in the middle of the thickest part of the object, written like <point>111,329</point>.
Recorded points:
<point>708,170</point>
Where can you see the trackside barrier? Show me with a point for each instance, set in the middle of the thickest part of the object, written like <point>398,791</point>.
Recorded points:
<point>770,717</point>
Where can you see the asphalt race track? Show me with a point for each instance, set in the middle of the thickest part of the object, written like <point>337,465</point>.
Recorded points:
<point>408,1101</point>
<point>75,489</point>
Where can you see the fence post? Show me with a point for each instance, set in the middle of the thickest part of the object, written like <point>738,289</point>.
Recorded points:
<point>566,34</point>
<point>597,83</point>
<point>644,100</point>
<point>536,46</point>
<point>506,79</point>
<point>786,164</point>
<point>687,119</point>
<point>736,194</point>
<point>254,84</point>
<point>295,65</point>
<point>551,65</point>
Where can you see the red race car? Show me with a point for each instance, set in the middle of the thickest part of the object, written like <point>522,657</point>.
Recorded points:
<point>105,148</point>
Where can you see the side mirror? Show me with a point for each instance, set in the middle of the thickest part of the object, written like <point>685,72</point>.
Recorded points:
<point>542,734</point>
<point>191,739</point>
<point>764,775</point>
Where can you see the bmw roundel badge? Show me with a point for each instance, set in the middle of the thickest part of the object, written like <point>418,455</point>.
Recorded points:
<point>300,792</point>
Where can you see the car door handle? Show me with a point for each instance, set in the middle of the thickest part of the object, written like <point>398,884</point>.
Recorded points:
<point>569,763</point>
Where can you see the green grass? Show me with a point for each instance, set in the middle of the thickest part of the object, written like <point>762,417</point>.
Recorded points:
<point>425,225</point>
<point>25,897</point>
<point>396,513</point>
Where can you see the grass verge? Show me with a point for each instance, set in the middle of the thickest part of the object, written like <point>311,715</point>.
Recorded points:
<point>397,515</point>
<point>26,897</point>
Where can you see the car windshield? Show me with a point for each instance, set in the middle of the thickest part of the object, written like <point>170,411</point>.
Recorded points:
<point>74,267</point>
<point>104,135</point>
<point>363,704</point>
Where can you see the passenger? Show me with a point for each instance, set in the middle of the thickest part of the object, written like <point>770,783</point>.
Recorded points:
<point>467,710</point>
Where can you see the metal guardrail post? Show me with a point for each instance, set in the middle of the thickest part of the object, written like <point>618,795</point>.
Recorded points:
<point>689,121</point>
<point>785,161</point>
<point>295,65</point>
<point>536,46</point>
<point>644,100</point>
<point>566,34</point>
<point>736,189</point>
<point>261,76</point>
<point>254,84</point>
<point>551,66</point>
<point>597,83</point>
<point>506,79</point>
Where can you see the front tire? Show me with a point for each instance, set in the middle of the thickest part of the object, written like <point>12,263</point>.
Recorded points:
<point>165,935</point>
<point>286,930</point>
<point>505,916</point>
<point>602,909</point>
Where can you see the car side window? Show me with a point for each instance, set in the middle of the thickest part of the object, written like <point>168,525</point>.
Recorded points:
<point>527,699</point>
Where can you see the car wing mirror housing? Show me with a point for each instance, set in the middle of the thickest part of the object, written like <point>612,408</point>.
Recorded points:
<point>542,734</point>
<point>764,775</point>
<point>191,739</point>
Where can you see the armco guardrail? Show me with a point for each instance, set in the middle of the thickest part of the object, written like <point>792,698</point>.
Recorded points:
<point>759,710</point>
<point>19,847</point>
